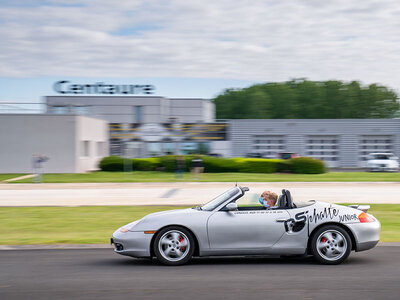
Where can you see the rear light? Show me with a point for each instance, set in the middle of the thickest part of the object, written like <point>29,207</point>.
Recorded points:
<point>365,218</point>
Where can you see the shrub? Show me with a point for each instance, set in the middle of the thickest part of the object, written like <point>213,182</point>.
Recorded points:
<point>258,165</point>
<point>307,165</point>
<point>301,165</point>
<point>112,164</point>
<point>283,166</point>
<point>219,164</point>
<point>168,162</point>
<point>146,164</point>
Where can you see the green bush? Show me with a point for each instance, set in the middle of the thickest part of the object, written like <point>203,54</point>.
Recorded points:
<point>283,166</point>
<point>146,164</point>
<point>112,164</point>
<point>219,164</point>
<point>258,165</point>
<point>306,165</point>
<point>301,165</point>
<point>168,162</point>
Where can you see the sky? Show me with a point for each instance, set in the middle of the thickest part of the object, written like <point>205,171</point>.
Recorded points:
<point>194,48</point>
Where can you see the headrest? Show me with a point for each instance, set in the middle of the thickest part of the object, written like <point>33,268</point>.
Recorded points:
<point>281,201</point>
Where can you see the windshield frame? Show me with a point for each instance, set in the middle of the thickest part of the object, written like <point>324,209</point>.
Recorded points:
<point>220,200</point>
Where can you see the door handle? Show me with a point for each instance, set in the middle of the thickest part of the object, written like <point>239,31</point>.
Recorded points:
<point>281,220</point>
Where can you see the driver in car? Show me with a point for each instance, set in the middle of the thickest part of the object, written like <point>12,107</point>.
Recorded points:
<point>268,199</point>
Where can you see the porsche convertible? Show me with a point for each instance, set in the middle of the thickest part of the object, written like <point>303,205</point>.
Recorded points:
<point>232,224</point>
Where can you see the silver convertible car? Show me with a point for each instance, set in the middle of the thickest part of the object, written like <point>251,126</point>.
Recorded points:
<point>229,225</point>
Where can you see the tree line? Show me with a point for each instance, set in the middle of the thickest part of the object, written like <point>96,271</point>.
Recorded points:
<point>304,99</point>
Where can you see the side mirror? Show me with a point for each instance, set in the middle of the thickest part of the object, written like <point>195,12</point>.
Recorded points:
<point>231,206</point>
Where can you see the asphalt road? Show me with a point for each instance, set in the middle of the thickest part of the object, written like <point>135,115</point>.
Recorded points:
<point>101,274</point>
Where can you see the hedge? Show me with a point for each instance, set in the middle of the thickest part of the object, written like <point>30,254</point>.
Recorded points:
<point>307,165</point>
<point>112,164</point>
<point>220,164</point>
<point>146,164</point>
<point>167,163</point>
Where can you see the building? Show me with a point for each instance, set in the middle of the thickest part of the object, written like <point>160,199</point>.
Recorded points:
<point>73,144</point>
<point>134,109</point>
<point>338,142</point>
<point>142,126</point>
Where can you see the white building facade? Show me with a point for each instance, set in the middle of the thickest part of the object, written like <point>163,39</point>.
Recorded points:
<point>72,144</point>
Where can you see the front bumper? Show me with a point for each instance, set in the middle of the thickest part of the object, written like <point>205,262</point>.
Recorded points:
<point>132,243</point>
<point>382,169</point>
<point>366,234</point>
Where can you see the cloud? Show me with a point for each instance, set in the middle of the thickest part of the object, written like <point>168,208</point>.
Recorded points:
<point>253,40</point>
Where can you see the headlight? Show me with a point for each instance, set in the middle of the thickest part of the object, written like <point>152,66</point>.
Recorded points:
<point>128,227</point>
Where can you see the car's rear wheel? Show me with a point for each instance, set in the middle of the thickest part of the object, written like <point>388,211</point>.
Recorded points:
<point>174,246</point>
<point>330,245</point>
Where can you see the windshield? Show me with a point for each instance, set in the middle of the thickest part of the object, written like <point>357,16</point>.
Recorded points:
<point>381,156</point>
<point>220,199</point>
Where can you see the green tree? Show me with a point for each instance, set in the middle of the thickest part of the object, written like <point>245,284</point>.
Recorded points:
<point>304,99</point>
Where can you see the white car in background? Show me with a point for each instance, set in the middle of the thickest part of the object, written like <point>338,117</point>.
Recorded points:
<point>382,162</point>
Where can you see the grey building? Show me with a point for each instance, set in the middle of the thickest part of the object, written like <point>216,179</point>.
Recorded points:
<point>134,109</point>
<point>73,144</point>
<point>142,126</point>
<point>340,143</point>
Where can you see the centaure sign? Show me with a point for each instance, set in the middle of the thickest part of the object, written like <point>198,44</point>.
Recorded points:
<point>65,87</point>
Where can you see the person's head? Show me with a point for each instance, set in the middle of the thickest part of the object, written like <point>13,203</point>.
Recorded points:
<point>269,197</point>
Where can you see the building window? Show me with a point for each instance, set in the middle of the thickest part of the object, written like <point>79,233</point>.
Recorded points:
<point>85,148</point>
<point>268,145</point>
<point>320,147</point>
<point>81,110</point>
<point>138,114</point>
<point>374,143</point>
<point>154,149</point>
<point>59,110</point>
<point>168,148</point>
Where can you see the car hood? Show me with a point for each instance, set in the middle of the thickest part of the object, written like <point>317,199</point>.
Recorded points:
<point>170,212</point>
<point>160,219</point>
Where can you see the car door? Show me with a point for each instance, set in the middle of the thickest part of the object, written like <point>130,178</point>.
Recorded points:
<point>249,229</point>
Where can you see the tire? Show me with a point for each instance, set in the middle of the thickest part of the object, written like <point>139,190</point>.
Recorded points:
<point>330,245</point>
<point>174,246</point>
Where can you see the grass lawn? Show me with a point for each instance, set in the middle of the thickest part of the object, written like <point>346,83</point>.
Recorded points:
<point>141,176</point>
<point>95,224</point>
<point>67,225</point>
<point>8,176</point>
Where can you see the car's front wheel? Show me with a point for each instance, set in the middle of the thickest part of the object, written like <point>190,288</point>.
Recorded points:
<point>330,245</point>
<point>174,246</point>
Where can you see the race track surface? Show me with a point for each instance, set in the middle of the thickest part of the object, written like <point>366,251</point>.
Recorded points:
<point>101,274</point>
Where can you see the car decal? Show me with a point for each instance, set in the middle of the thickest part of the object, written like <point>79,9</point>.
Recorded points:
<point>299,221</point>
<point>347,218</point>
<point>292,226</point>
<point>297,224</point>
<point>257,212</point>
<point>328,213</point>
